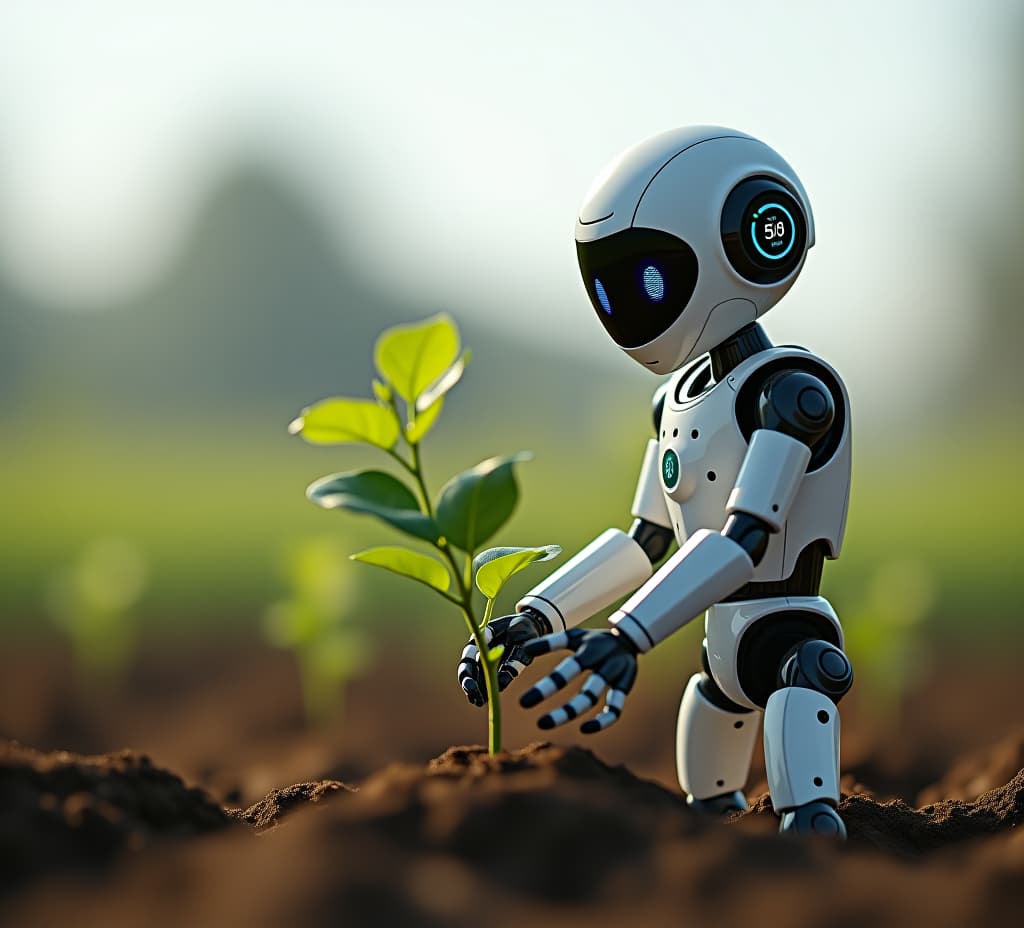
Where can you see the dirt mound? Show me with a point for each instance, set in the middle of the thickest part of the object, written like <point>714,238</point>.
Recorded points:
<point>552,835</point>
<point>268,812</point>
<point>61,810</point>
<point>979,772</point>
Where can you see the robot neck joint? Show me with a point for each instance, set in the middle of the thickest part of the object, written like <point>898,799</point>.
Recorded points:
<point>737,348</point>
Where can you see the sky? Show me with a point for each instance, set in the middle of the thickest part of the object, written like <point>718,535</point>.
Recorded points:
<point>448,144</point>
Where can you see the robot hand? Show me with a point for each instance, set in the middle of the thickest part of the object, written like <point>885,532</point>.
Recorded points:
<point>512,631</point>
<point>611,657</point>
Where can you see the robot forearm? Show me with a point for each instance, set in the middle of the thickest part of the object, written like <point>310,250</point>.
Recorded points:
<point>703,571</point>
<point>609,567</point>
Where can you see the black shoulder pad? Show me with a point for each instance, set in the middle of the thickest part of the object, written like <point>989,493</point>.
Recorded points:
<point>798,404</point>
<point>659,405</point>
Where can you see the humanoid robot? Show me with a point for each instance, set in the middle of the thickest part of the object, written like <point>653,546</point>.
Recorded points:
<point>683,242</point>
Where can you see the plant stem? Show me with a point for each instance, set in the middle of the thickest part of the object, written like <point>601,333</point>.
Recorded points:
<point>417,471</point>
<point>464,582</point>
<point>493,695</point>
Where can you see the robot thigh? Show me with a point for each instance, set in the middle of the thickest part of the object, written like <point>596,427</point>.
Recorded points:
<point>748,640</point>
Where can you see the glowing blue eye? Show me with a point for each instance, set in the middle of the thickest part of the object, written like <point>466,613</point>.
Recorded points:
<point>654,283</point>
<point>602,296</point>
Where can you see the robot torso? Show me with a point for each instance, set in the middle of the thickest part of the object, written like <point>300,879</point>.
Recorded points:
<point>703,437</point>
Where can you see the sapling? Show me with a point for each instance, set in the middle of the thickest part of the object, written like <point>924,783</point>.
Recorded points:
<point>418,365</point>
<point>93,601</point>
<point>311,624</point>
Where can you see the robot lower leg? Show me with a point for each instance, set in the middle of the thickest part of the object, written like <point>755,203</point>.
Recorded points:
<point>714,743</point>
<point>801,738</point>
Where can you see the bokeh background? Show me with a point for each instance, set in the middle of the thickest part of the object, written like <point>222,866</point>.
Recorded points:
<point>208,210</point>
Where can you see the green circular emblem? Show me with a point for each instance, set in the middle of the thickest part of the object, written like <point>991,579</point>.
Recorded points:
<point>670,469</point>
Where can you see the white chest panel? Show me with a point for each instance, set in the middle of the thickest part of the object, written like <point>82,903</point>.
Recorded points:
<point>701,428</point>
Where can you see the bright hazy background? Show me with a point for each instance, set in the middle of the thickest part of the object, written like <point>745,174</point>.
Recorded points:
<point>209,209</point>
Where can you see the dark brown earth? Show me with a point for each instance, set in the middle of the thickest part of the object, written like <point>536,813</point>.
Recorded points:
<point>542,835</point>
<point>546,835</point>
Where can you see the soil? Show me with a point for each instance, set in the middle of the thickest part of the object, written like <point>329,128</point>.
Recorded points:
<point>548,834</point>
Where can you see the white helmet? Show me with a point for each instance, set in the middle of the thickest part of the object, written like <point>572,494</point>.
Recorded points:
<point>688,237</point>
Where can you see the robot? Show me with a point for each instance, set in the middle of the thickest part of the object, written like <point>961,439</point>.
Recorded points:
<point>683,242</point>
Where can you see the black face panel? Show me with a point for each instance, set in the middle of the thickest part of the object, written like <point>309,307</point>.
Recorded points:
<point>764,231</point>
<point>639,282</point>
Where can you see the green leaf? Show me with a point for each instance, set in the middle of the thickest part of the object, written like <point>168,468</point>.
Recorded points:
<point>443,383</point>
<point>374,493</point>
<point>382,391</point>
<point>476,503</point>
<point>339,420</point>
<point>495,566</point>
<point>494,655</point>
<point>411,357</point>
<point>412,564</point>
<point>415,431</point>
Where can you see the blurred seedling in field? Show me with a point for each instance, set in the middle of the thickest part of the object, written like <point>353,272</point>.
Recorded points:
<point>314,624</point>
<point>418,365</point>
<point>885,631</point>
<point>94,601</point>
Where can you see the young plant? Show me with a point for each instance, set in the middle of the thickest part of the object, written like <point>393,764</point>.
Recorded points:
<point>93,602</point>
<point>310,623</point>
<point>418,364</point>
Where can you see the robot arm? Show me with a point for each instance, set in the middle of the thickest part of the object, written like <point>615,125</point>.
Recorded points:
<point>612,565</point>
<point>796,411</point>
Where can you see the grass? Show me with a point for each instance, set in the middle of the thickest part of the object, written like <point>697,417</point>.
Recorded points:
<point>213,512</point>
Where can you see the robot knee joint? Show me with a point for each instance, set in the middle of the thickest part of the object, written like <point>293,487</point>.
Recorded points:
<point>818,665</point>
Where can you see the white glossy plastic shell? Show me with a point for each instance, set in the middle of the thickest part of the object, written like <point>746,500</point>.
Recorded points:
<point>710,465</point>
<point>649,499</point>
<point>611,566</point>
<point>726,623</point>
<point>713,747</point>
<point>678,182</point>
<point>801,747</point>
<point>770,477</point>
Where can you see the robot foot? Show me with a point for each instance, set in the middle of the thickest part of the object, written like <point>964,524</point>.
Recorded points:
<point>724,804</point>
<point>813,818</point>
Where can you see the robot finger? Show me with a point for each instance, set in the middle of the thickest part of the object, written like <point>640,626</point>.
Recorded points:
<point>469,675</point>
<point>512,666</point>
<point>612,712</point>
<point>554,642</point>
<point>568,670</point>
<point>584,701</point>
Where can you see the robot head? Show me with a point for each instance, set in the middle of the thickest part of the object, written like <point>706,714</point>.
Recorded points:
<point>688,237</point>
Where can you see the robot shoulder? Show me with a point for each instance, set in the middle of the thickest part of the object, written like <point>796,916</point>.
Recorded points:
<point>799,395</point>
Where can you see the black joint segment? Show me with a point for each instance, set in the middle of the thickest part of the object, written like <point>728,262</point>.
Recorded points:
<point>558,679</point>
<point>818,665</point>
<point>750,533</point>
<point>616,711</point>
<point>654,539</point>
<point>558,611</point>
<point>659,406</point>
<point>712,692</point>
<point>797,404</point>
<point>527,625</point>
<point>570,712</point>
<point>744,344</point>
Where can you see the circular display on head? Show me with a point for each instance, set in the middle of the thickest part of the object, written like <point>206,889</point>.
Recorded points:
<point>764,231</point>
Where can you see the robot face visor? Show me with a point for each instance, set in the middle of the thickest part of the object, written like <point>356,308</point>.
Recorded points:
<point>639,282</point>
